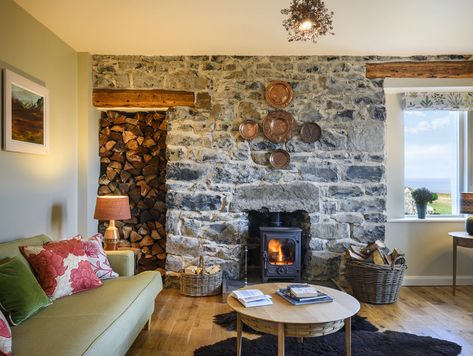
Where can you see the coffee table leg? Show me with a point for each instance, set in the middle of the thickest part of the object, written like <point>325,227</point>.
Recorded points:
<point>281,339</point>
<point>454,284</point>
<point>238,334</point>
<point>348,335</point>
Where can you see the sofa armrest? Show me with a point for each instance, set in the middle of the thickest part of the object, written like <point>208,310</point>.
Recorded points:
<point>122,262</point>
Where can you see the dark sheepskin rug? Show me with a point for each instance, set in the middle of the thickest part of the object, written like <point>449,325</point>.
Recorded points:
<point>366,340</point>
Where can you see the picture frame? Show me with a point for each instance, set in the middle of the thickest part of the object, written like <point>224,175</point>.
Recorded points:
<point>26,115</point>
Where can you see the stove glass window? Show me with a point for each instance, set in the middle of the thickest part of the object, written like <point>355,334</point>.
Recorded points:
<point>281,251</point>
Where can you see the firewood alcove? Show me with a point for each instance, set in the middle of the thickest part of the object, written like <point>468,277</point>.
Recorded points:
<point>133,162</point>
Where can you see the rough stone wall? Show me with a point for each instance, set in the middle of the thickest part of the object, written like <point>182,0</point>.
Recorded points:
<point>214,177</point>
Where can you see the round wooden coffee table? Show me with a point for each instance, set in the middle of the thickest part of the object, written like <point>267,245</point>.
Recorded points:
<point>284,319</point>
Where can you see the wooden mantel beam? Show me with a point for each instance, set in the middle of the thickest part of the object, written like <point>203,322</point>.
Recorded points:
<point>141,98</point>
<point>446,69</point>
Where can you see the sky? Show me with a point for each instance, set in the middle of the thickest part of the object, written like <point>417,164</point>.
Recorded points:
<point>430,144</point>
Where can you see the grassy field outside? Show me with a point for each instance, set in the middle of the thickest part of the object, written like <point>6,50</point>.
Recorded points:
<point>443,205</point>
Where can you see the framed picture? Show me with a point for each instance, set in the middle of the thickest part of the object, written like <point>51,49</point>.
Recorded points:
<point>26,115</point>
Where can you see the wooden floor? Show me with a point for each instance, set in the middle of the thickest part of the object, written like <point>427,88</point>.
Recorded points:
<point>182,324</point>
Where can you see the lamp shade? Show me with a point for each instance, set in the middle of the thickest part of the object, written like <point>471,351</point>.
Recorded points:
<point>112,207</point>
<point>466,203</point>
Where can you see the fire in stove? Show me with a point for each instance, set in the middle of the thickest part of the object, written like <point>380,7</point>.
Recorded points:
<point>281,251</point>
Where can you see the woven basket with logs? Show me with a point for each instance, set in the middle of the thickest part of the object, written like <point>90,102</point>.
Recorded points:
<point>200,281</point>
<point>375,275</point>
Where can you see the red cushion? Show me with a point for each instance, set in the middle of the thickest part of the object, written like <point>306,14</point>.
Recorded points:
<point>5,336</point>
<point>62,268</point>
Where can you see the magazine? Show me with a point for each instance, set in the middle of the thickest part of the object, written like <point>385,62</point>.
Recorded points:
<point>252,298</point>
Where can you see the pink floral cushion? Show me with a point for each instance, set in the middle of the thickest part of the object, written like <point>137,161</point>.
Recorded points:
<point>62,268</point>
<point>98,258</point>
<point>5,337</point>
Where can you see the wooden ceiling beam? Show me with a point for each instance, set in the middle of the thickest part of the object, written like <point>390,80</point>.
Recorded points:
<point>439,69</point>
<point>141,98</point>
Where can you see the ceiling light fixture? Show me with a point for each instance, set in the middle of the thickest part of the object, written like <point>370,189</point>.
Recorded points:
<point>307,20</point>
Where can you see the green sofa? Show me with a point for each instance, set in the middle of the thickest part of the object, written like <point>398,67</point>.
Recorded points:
<point>101,321</point>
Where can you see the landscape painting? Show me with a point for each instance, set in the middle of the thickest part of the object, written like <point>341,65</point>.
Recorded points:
<point>26,115</point>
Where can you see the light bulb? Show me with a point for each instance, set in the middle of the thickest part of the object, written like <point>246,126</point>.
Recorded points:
<point>306,25</point>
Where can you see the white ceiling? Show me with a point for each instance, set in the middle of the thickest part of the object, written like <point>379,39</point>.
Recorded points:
<point>253,27</point>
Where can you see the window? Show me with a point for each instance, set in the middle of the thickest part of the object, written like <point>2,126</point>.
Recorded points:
<point>435,148</point>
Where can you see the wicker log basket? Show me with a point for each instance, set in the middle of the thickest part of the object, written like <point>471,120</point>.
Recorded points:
<point>200,285</point>
<point>201,281</point>
<point>377,284</point>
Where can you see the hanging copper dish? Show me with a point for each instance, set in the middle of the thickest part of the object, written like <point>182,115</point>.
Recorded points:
<point>310,132</point>
<point>279,159</point>
<point>278,94</point>
<point>278,126</point>
<point>249,129</point>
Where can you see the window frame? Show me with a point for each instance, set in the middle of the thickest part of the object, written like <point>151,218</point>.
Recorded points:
<point>394,88</point>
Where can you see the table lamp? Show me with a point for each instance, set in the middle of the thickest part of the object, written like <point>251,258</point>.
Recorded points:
<point>466,207</point>
<point>112,207</point>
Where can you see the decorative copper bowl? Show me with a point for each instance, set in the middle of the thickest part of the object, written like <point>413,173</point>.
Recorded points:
<point>278,94</point>
<point>310,132</point>
<point>249,129</point>
<point>278,126</point>
<point>279,159</point>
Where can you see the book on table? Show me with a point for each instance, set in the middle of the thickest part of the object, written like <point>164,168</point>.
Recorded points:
<point>316,298</point>
<point>303,291</point>
<point>252,298</point>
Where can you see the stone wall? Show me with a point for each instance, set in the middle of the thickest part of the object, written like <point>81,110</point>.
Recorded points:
<point>214,177</point>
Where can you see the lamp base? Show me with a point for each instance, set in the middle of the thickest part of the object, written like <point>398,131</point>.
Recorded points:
<point>469,225</point>
<point>111,237</point>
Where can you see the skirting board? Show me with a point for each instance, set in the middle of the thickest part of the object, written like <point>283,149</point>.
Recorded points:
<point>436,280</point>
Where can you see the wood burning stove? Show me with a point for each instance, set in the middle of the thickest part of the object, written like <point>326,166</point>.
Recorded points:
<point>280,252</point>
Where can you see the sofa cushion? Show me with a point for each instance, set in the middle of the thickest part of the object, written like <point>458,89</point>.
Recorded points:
<point>97,257</point>
<point>5,336</point>
<point>62,267</point>
<point>20,294</point>
<point>92,322</point>
<point>11,249</point>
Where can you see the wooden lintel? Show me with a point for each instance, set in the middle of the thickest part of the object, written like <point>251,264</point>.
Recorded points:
<point>136,98</point>
<point>444,69</point>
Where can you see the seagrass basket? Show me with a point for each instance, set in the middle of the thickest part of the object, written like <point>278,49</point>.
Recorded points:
<point>200,285</point>
<point>373,283</point>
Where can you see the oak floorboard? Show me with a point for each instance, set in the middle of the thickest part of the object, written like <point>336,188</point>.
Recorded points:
<point>182,324</point>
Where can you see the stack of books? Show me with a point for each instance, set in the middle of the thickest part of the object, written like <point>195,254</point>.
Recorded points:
<point>301,294</point>
<point>252,298</point>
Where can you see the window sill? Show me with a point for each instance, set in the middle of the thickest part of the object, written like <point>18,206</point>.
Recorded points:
<point>409,219</point>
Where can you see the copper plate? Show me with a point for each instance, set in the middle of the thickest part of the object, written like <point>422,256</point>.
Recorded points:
<point>278,126</point>
<point>279,159</point>
<point>310,132</point>
<point>278,94</point>
<point>249,129</point>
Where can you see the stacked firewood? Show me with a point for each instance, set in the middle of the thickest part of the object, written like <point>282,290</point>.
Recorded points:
<point>133,162</point>
<point>375,252</point>
<point>202,269</point>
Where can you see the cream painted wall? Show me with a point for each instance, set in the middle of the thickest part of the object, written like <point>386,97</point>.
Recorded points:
<point>88,146</point>
<point>38,194</point>
<point>426,243</point>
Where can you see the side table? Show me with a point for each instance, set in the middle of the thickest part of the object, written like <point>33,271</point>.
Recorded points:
<point>462,239</point>
<point>136,252</point>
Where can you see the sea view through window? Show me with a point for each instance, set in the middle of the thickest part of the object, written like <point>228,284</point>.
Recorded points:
<point>432,154</point>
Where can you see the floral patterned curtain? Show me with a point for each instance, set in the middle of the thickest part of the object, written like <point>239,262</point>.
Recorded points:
<point>460,101</point>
